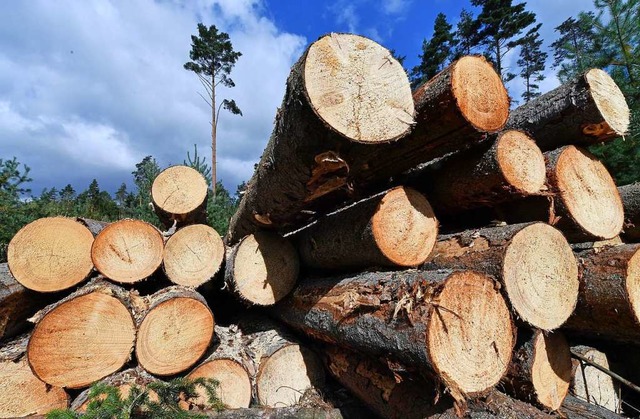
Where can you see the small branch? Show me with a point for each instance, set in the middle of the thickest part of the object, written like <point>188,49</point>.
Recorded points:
<point>606,371</point>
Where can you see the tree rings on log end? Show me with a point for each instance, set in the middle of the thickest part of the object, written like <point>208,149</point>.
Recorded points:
<point>480,93</point>
<point>234,384</point>
<point>179,191</point>
<point>51,254</point>
<point>265,268</point>
<point>128,251</point>
<point>551,369</point>
<point>283,377</point>
<point>81,341</point>
<point>470,335</point>
<point>521,162</point>
<point>592,385</point>
<point>540,275</point>
<point>173,335</point>
<point>404,227</point>
<point>24,394</point>
<point>611,103</point>
<point>193,255</point>
<point>357,88</point>
<point>589,193</point>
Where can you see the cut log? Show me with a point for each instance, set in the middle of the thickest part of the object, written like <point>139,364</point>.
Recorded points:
<point>128,251</point>
<point>175,332</point>
<point>630,195</point>
<point>193,255</point>
<point>285,369</point>
<point>540,371</point>
<point>496,405</point>
<point>455,326</point>
<point>587,110</point>
<point>533,262</point>
<point>51,254</point>
<point>510,167</point>
<point>592,385</point>
<point>85,337</point>
<point>179,196</point>
<point>22,392</point>
<point>231,366</point>
<point>262,268</point>
<point>574,408</point>
<point>609,302</point>
<point>396,228</point>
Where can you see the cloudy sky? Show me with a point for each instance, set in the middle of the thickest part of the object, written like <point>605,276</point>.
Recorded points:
<point>88,88</point>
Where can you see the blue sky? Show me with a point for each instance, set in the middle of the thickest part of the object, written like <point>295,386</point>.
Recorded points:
<point>88,88</point>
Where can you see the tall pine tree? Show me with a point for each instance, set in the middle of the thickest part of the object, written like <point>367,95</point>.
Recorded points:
<point>436,53</point>
<point>577,47</point>
<point>466,35</point>
<point>532,63</point>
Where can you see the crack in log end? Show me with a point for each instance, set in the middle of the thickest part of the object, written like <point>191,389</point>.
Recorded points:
<point>329,173</point>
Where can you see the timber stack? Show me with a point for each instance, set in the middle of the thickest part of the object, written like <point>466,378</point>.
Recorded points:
<point>431,251</point>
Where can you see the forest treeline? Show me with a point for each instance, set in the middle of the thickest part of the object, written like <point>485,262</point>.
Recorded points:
<point>606,37</point>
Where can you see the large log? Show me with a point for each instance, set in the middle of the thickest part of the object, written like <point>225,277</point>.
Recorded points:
<point>175,332</point>
<point>592,385</point>
<point>630,195</point>
<point>395,228</point>
<point>586,110</point>
<point>540,371</point>
<point>455,326</point>
<point>608,304</point>
<point>262,268</point>
<point>179,196</point>
<point>533,262</point>
<point>193,255</point>
<point>84,337</point>
<point>51,254</point>
<point>22,392</point>
<point>574,408</point>
<point>128,251</point>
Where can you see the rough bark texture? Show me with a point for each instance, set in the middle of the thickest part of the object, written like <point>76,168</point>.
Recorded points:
<point>630,195</point>
<point>388,314</point>
<point>609,287</point>
<point>592,385</point>
<point>565,115</point>
<point>94,226</point>
<point>574,408</point>
<point>295,412</point>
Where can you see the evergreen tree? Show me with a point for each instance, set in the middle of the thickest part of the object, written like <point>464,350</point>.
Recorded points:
<point>144,175</point>
<point>577,47</point>
<point>220,209</point>
<point>436,52</point>
<point>501,23</point>
<point>532,63</point>
<point>466,35</point>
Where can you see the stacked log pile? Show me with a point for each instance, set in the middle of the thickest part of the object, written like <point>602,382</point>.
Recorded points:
<point>436,254</point>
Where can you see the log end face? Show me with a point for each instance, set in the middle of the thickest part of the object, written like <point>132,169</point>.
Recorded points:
<point>265,268</point>
<point>593,385</point>
<point>51,254</point>
<point>358,88</point>
<point>551,369</point>
<point>179,190</point>
<point>193,255</point>
<point>540,275</point>
<point>589,193</point>
<point>404,227</point>
<point>234,388</point>
<point>632,284</point>
<point>480,93</point>
<point>470,334</point>
<point>521,162</point>
<point>174,335</point>
<point>611,103</point>
<point>81,341</point>
<point>128,251</point>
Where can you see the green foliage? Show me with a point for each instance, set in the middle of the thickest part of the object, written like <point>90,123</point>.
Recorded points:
<point>198,163</point>
<point>576,48</point>
<point>436,52</point>
<point>220,209</point>
<point>466,35</point>
<point>105,401</point>
<point>532,63</point>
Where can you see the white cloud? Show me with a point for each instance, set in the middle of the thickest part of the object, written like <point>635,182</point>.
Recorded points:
<point>394,7</point>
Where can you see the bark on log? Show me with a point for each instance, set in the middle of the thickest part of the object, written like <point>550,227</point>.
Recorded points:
<point>574,408</point>
<point>630,195</point>
<point>262,268</point>
<point>592,385</point>
<point>22,392</point>
<point>433,321</point>
<point>507,167</point>
<point>193,255</point>
<point>586,110</point>
<point>231,365</point>
<point>533,262</point>
<point>94,226</point>
<point>128,251</point>
<point>395,228</point>
<point>583,201</point>
<point>179,196</point>
<point>540,371</point>
<point>175,332</point>
<point>51,254</point>
<point>84,337</point>
<point>609,300</point>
